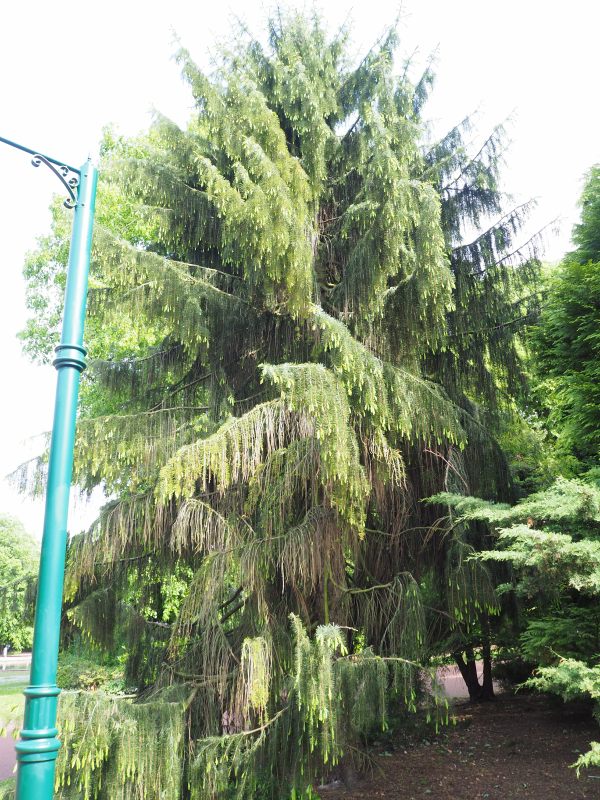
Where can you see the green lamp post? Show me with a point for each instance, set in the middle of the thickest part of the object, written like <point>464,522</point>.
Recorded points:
<point>38,746</point>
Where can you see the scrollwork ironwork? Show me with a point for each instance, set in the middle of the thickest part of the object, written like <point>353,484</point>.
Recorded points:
<point>67,176</point>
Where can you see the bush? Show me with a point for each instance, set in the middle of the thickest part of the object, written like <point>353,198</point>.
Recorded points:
<point>80,672</point>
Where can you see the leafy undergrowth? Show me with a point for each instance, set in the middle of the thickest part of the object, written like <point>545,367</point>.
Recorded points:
<point>517,747</point>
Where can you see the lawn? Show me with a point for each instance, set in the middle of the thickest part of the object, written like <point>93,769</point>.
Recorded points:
<point>11,703</point>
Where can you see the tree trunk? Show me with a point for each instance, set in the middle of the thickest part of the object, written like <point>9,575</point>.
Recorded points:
<point>487,690</point>
<point>468,671</point>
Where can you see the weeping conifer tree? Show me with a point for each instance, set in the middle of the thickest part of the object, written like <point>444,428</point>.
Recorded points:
<point>307,336</point>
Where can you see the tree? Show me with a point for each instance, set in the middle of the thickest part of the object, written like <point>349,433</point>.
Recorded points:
<point>551,540</point>
<point>586,234</point>
<point>275,393</point>
<point>567,341</point>
<point>19,556</point>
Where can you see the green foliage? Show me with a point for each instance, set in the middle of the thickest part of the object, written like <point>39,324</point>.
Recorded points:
<point>45,268</point>
<point>76,671</point>
<point>567,342</point>
<point>551,539</point>
<point>495,278</point>
<point>586,234</point>
<point>12,702</point>
<point>571,503</point>
<point>550,564</point>
<point>329,694</point>
<point>572,680</point>
<point>110,744</point>
<point>571,631</point>
<point>19,556</point>
<point>568,358</point>
<point>529,450</point>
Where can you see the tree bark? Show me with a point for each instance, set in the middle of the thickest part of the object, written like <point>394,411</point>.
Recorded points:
<point>468,671</point>
<point>487,690</point>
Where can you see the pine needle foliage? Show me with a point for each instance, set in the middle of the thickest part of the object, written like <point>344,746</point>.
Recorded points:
<point>496,291</point>
<point>111,745</point>
<point>327,690</point>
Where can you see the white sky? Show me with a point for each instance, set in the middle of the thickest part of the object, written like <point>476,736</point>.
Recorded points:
<point>67,69</point>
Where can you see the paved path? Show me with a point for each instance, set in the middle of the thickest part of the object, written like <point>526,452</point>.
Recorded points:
<point>7,757</point>
<point>13,669</point>
<point>22,660</point>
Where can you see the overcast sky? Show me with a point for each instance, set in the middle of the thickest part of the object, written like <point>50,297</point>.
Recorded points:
<point>67,69</point>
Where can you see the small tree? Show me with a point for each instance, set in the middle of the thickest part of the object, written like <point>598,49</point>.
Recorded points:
<point>551,540</point>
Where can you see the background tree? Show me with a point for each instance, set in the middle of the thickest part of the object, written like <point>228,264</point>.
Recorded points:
<point>274,392</point>
<point>551,540</point>
<point>19,557</point>
<point>567,340</point>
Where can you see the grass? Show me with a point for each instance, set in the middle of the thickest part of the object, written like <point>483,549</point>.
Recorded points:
<point>11,703</point>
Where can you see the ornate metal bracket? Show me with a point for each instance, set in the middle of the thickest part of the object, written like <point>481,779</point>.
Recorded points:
<point>66,175</point>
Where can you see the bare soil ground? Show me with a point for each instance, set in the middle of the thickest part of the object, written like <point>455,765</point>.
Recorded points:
<point>516,747</point>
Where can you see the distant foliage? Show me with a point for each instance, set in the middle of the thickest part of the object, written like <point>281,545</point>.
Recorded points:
<point>567,340</point>
<point>19,557</point>
<point>586,234</point>
<point>79,671</point>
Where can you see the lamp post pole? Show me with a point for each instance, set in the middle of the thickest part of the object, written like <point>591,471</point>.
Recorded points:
<point>38,746</point>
